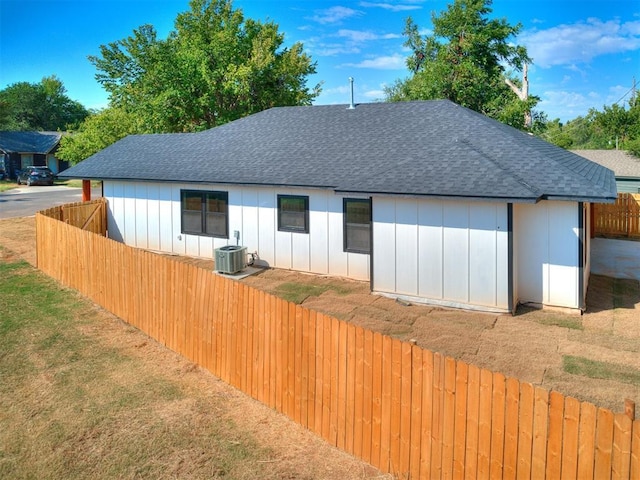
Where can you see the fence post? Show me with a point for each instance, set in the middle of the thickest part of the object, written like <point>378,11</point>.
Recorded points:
<point>630,408</point>
<point>86,190</point>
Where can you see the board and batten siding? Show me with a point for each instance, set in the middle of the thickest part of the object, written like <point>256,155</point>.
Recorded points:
<point>548,261</point>
<point>147,215</point>
<point>451,253</point>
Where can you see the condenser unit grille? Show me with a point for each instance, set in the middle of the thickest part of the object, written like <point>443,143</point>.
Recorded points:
<point>230,259</point>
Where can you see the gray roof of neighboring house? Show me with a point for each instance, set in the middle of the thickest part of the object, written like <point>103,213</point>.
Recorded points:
<point>622,163</point>
<point>29,142</point>
<point>431,148</point>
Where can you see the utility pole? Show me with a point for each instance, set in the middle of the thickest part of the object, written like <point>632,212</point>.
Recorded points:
<point>522,93</point>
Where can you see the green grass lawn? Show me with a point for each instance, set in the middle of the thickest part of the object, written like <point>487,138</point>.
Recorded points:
<point>75,183</point>
<point>576,365</point>
<point>7,185</point>
<point>74,406</point>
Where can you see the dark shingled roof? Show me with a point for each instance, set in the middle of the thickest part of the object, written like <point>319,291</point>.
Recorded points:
<point>28,142</point>
<point>433,148</point>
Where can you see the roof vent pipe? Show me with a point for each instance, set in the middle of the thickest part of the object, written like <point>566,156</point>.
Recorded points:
<point>351,105</point>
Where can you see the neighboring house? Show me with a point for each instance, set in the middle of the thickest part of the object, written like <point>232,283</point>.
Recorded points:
<point>625,167</point>
<point>429,201</point>
<point>23,149</point>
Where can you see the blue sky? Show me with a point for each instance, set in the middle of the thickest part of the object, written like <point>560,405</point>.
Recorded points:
<point>586,53</point>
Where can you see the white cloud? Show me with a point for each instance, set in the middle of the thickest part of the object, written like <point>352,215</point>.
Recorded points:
<point>335,14</point>
<point>374,94</point>
<point>391,62</point>
<point>403,7</point>
<point>580,42</point>
<point>365,36</point>
<point>333,50</point>
<point>566,105</point>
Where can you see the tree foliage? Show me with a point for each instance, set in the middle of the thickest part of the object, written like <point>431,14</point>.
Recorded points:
<point>97,132</point>
<point>216,66</point>
<point>615,126</point>
<point>466,60</point>
<point>39,106</point>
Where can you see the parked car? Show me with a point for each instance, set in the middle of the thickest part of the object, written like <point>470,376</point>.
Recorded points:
<point>36,176</point>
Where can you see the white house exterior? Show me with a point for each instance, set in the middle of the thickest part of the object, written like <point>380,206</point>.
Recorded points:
<point>475,215</point>
<point>458,254</point>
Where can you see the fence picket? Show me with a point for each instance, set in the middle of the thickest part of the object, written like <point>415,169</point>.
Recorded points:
<point>297,366</point>
<point>586,441</point>
<point>351,385</point>
<point>497,426</point>
<point>304,373</point>
<point>327,376</point>
<point>358,391</point>
<point>554,444</point>
<point>367,395</point>
<point>460,433</point>
<point>622,428</point>
<point>395,406</point>
<point>449,416</point>
<point>317,427</point>
<point>512,415</point>
<point>484,423</point>
<point>341,418</point>
<point>473,419</point>
<point>634,468</point>
<point>280,359</point>
<point>525,437</point>
<point>405,409</point>
<point>427,417</point>
<point>540,432</point>
<point>376,397</point>
<point>385,421</point>
<point>570,438</point>
<point>311,370</point>
<point>604,443</point>
<point>291,362</point>
<point>416,410</point>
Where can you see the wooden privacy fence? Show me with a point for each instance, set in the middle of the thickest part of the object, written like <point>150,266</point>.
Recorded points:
<point>618,219</point>
<point>90,216</point>
<point>405,410</point>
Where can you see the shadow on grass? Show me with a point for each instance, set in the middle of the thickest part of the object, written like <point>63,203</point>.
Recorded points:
<point>606,293</point>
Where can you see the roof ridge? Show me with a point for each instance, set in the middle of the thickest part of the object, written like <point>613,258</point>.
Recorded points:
<point>499,164</point>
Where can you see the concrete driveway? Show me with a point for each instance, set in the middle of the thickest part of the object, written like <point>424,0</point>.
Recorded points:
<point>615,258</point>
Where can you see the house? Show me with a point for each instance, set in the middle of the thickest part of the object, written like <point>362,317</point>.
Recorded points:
<point>23,149</point>
<point>625,166</point>
<point>428,201</point>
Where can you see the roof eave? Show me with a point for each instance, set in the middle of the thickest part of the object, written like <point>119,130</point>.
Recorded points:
<point>440,196</point>
<point>586,199</point>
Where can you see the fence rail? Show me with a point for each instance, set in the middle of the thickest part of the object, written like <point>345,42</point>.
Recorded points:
<point>618,219</point>
<point>405,410</point>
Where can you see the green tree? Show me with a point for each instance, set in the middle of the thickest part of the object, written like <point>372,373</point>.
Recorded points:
<point>97,132</point>
<point>465,60</point>
<point>39,106</point>
<point>215,67</point>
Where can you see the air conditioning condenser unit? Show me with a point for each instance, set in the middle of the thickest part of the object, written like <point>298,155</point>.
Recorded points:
<point>230,259</point>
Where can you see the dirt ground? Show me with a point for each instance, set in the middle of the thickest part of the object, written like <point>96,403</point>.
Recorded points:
<point>529,346</point>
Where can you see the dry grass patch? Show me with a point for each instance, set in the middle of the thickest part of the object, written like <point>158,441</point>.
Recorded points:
<point>82,395</point>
